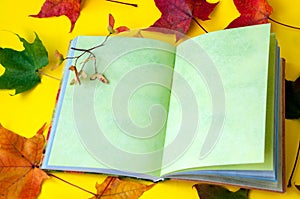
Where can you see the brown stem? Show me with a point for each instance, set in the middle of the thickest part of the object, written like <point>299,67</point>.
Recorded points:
<point>286,25</point>
<point>76,73</point>
<point>294,168</point>
<point>124,3</point>
<point>103,43</point>
<point>42,73</point>
<point>84,51</point>
<point>90,49</point>
<point>108,184</point>
<point>76,186</point>
<point>200,25</point>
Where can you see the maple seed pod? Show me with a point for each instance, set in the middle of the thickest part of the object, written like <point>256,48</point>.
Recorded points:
<point>82,74</point>
<point>103,79</point>
<point>100,77</point>
<point>111,23</point>
<point>73,81</point>
<point>121,29</point>
<point>110,30</point>
<point>59,59</point>
<point>73,68</point>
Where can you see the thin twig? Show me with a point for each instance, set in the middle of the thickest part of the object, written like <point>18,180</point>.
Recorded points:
<point>42,73</point>
<point>80,49</point>
<point>91,55</point>
<point>124,3</point>
<point>52,175</point>
<point>286,25</point>
<point>103,43</point>
<point>90,49</point>
<point>199,25</point>
<point>86,60</point>
<point>275,21</point>
<point>84,51</point>
<point>95,65</point>
<point>77,57</point>
<point>294,168</point>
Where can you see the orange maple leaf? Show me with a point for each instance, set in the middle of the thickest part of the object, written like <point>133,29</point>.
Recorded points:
<point>114,188</point>
<point>20,157</point>
<point>69,8</point>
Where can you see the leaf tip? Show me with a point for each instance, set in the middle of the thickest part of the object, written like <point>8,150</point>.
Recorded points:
<point>42,129</point>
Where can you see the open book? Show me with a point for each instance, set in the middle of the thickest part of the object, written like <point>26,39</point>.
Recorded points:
<point>209,109</point>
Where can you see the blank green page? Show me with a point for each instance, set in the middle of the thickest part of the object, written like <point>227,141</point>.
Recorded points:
<point>227,72</point>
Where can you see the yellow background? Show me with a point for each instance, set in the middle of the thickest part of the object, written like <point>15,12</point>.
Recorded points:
<point>27,112</point>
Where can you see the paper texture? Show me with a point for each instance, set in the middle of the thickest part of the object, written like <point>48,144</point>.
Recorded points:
<point>215,115</point>
<point>237,58</point>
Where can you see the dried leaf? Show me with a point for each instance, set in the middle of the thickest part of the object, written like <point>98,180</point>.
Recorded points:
<point>114,188</point>
<point>206,191</point>
<point>252,12</point>
<point>292,99</point>
<point>20,157</point>
<point>21,67</point>
<point>178,14</point>
<point>59,59</point>
<point>69,8</point>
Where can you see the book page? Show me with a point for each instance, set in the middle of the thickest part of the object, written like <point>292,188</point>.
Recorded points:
<point>267,167</point>
<point>221,119</point>
<point>120,125</point>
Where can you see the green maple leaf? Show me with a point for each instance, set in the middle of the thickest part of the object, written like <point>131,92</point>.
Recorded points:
<point>21,67</point>
<point>206,191</point>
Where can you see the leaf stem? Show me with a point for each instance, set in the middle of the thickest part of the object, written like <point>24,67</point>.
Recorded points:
<point>199,25</point>
<point>124,3</point>
<point>76,186</point>
<point>294,168</point>
<point>42,73</point>
<point>106,187</point>
<point>286,25</point>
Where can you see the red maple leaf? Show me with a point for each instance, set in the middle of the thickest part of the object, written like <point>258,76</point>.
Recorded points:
<point>201,9</point>
<point>69,8</point>
<point>178,14</point>
<point>20,157</point>
<point>252,12</point>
